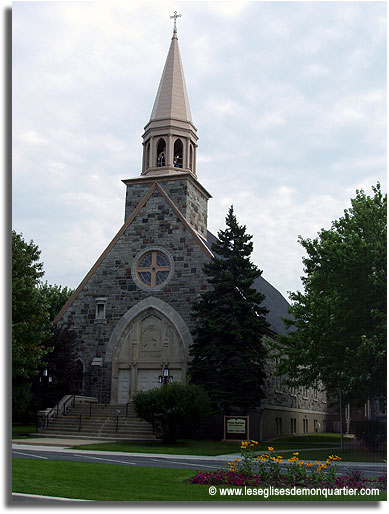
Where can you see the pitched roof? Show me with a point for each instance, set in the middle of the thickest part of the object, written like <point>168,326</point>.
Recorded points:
<point>172,97</point>
<point>274,301</point>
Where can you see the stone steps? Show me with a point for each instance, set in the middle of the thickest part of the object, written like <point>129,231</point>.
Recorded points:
<point>100,421</point>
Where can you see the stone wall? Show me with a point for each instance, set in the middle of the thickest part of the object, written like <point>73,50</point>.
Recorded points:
<point>156,225</point>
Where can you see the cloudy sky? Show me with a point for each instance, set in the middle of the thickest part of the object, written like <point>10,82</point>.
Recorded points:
<point>289,100</point>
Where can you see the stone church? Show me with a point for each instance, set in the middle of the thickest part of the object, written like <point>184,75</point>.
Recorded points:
<point>132,311</point>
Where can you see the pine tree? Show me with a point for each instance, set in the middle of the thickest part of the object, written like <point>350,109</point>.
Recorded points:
<point>228,351</point>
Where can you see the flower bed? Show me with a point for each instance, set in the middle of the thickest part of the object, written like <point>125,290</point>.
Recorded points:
<point>264,470</point>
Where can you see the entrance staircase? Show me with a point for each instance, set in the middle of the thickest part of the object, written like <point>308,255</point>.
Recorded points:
<point>92,420</point>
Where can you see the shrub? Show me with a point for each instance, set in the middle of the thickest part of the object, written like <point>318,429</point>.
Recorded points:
<point>172,408</point>
<point>371,432</point>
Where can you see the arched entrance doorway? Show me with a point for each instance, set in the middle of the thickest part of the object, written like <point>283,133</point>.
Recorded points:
<point>148,337</point>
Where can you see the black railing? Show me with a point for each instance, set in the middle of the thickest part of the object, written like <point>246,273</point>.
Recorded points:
<point>118,415</point>
<point>71,401</point>
<point>56,409</point>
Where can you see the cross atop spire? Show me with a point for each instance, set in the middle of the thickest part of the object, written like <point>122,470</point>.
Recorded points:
<point>175,16</point>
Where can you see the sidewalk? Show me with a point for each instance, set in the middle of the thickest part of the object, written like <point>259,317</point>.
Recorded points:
<point>58,441</point>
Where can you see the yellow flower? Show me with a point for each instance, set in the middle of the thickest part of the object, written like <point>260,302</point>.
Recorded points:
<point>296,453</point>
<point>301,463</point>
<point>270,448</point>
<point>309,464</point>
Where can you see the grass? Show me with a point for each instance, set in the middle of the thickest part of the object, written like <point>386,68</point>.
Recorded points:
<point>181,447</point>
<point>207,447</point>
<point>106,482</point>
<point>19,430</point>
<point>322,438</point>
<point>283,446</point>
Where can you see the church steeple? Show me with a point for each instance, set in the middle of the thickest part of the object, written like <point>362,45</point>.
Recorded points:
<point>170,138</point>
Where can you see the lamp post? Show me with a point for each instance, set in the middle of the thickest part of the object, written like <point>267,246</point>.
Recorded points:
<point>45,380</point>
<point>165,378</point>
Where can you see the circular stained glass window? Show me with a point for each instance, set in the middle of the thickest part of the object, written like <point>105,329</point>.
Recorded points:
<point>153,268</point>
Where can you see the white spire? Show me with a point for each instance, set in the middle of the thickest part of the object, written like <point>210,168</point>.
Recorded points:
<point>172,98</point>
<point>170,138</point>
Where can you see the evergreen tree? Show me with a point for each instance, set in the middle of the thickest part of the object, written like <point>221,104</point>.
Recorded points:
<point>228,351</point>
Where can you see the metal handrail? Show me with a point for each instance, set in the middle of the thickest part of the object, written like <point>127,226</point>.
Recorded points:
<point>73,401</point>
<point>118,415</point>
<point>54,411</point>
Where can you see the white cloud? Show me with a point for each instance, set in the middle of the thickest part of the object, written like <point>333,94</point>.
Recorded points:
<point>288,98</point>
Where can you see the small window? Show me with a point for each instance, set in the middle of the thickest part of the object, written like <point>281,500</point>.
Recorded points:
<point>278,426</point>
<point>101,304</point>
<point>293,425</point>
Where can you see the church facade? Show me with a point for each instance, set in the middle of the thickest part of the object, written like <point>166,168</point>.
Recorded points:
<point>132,312</point>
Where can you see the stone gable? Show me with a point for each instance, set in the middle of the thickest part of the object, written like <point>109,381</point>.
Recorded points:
<point>156,225</point>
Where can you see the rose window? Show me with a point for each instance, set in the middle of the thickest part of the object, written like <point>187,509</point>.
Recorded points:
<point>153,268</point>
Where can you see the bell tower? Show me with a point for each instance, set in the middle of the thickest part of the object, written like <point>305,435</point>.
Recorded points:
<point>169,149</point>
<point>170,138</point>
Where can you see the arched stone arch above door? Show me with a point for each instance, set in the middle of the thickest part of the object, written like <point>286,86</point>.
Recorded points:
<point>149,336</point>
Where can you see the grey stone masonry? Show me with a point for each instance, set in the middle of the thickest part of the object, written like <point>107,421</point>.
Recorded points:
<point>155,225</point>
<point>184,191</point>
<point>279,393</point>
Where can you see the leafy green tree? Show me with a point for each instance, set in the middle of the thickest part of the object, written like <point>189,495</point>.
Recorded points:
<point>228,351</point>
<point>30,320</point>
<point>55,296</point>
<point>63,368</point>
<point>340,318</point>
<point>173,408</point>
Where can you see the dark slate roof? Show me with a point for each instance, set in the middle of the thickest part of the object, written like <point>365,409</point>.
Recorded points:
<point>274,301</point>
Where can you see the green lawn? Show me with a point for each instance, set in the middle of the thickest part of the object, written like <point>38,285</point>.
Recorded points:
<point>209,447</point>
<point>322,438</point>
<point>106,482</point>
<point>284,446</point>
<point>181,447</point>
<point>19,430</point>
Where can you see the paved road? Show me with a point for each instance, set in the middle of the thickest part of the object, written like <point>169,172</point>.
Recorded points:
<point>120,458</point>
<point>157,460</point>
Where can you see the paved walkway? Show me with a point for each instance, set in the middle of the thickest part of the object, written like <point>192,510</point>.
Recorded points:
<point>59,441</point>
